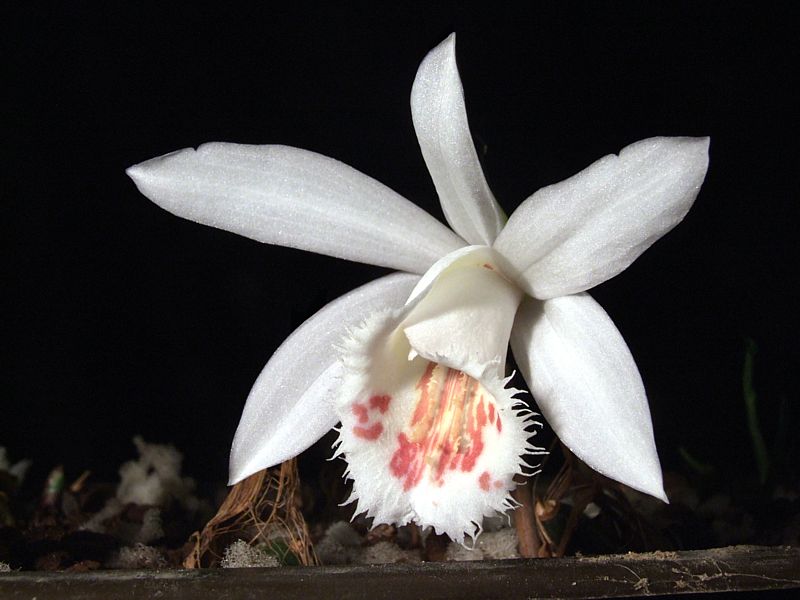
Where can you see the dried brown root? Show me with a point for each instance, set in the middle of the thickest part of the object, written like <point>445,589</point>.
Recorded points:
<point>566,483</point>
<point>529,539</point>
<point>580,486</point>
<point>260,509</point>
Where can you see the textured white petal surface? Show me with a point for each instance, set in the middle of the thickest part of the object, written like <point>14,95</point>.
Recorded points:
<point>291,404</point>
<point>439,266</point>
<point>573,235</point>
<point>583,378</point>
<point>440,120</point>
<point>292,197</point>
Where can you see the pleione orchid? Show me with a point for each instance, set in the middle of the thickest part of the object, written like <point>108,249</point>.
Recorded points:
<point>413,365</point>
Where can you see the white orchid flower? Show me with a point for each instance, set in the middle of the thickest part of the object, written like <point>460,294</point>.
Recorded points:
<point>412,364</point>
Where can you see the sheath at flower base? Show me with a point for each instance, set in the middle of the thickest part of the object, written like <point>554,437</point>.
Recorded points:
<point>412,364</point>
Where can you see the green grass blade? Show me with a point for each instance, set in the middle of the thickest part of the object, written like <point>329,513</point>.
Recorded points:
<point>750,401</point>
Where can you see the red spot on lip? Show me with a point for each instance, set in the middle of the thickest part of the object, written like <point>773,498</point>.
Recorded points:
<point>368,433</point>
<point>380,402</point>
<point>499,425</point>
<point>488,266</point>
<point>404,464</point>
<point>360,411</point>
<point>483,481</point>
<point>491,412</point>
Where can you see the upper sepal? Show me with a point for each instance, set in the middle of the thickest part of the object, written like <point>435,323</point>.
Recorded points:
<point>440,120</point>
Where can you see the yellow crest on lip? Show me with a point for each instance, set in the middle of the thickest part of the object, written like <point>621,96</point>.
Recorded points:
<point>446,429</point>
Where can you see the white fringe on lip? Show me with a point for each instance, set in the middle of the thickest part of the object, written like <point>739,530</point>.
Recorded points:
<point>375,357</point>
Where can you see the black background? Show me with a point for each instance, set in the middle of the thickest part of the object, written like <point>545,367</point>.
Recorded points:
<point>120,318</point>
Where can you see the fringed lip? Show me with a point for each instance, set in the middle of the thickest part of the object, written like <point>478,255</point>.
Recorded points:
<point>429,429</point>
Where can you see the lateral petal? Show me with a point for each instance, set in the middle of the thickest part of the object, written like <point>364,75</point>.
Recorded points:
<point>573,235</point>
<point>440,120</point>
<point>586,383</point>
<point>291,404</point>
<point>292,197</point>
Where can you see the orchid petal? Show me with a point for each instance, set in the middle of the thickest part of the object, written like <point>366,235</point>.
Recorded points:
<point>292,197</point>
<point>573,235</point>
<point>463,319</point>
<point>291,404</point>
<point>440,120</point>
<point>586,383</point>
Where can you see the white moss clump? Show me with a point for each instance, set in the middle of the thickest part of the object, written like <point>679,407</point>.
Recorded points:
<point>499,544</point>
<point>155,478</point>
<point>343,532</point>
<point>331,552</point>
<point>151,529</point>
<point>341,545</point>
<point>18,469</point>
<point>239,554</point>
<point>4,568</point>
<point>490,545</point>
<point>387,552</point>
<point>96,522</point>
<point>138,556</point>
<point>458,552</point>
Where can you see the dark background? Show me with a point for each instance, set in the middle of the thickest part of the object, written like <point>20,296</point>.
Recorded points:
<point>120,318</point>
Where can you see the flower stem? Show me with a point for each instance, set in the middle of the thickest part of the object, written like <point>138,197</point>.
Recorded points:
<point>524,519</point>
